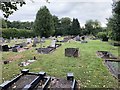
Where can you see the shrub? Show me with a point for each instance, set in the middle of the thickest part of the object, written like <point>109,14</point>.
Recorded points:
<point>12,32</point>
<point>103,36</point>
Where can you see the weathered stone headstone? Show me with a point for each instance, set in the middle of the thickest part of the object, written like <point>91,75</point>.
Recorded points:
<point>77,38</point>
<point>35,40</point>
<point>34,44</point>
<point>53,43</point>
<point>72,52</point>
<point>15,39</point>
<point>14,49</point>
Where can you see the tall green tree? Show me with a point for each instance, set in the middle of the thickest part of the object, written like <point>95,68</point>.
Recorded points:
<point>65,25</point>
<point>75,27</point>
<point>57,24</point>
<point>44,24</point>
<point>114,22</point>
<point>93,27</point>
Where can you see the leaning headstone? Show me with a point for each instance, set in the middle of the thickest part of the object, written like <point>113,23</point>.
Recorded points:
<point>72,52</point>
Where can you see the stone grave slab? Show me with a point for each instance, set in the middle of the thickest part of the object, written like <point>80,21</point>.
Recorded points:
<point>114,68</point>
<point>105,55</point>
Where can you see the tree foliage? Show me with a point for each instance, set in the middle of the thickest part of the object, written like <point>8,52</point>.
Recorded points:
<point>44,25</point>
<point>9,7</point>
<point>12,32</point>
<point>65,25</point>
<point>114,22</point>
<point>75,27</point>
<point>93,27</point>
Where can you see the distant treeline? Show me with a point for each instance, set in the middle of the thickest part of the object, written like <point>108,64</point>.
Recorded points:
<point>12,32</point>
<point>17,24</point>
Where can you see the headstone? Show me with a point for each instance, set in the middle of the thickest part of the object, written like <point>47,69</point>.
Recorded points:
<point>77,38</point>
<point>35,40</point>
<point>29,40</point>
<point>14,49</point>
<point>5,62</point>
<point>10,38</point>
<point>53,43</point>
<point>72,52</point>
<point>5,48</point>
<point>15,39</point>
<point>34,44</point>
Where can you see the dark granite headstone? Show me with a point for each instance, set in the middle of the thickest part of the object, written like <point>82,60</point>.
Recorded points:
<point>5,62</point>
<point>5,48</point>
<point>14,49</point>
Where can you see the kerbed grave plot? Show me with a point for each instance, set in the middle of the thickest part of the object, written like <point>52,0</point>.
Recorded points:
<point>39,81</point>
<point>25,81</point>
<point>72,52</point>
<point>105,55</point>
<point>114,68</point>
<point>19,47</point>
<point>45,50</point>
<point>48,49</point>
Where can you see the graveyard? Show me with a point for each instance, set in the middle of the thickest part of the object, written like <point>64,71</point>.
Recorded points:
<point>88,68</point>
<point>51,44</point>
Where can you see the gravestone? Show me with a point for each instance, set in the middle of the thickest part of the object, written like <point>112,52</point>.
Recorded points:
<point>10,38</point>
<point>15,39</point>
<point>5,48</point>
<point>72,52</point>
<point>53,43</point>
<point>14,49</point>
<point>34,44</point>
<point>5,62</point>
<point>77,38</point>
<point>29,40</point>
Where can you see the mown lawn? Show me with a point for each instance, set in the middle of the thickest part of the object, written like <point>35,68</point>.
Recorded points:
<point>88,69</point>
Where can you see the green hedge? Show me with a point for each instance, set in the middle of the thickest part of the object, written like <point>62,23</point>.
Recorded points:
<point>13,32</point>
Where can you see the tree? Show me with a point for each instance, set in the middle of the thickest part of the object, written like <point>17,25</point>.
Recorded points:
<point>75,27</point>
<point>65,25</point>
<point>57,26</point>
<point>114,22</point>
<point>9,7</point>
<point>4,24</point>
<point>44,25</point>
<point>93,27</point>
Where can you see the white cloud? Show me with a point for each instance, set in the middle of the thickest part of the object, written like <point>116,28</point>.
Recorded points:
<point>81,9</point>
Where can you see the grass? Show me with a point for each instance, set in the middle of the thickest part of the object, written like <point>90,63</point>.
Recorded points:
<point>88,69</point>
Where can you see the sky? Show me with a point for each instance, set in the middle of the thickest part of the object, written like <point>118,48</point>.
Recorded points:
<point>82,9</point>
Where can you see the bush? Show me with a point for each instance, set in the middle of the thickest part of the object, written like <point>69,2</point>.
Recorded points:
<point>12,32</point>
<point>103,36</point>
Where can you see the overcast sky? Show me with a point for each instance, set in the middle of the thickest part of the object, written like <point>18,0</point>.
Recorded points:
<point>81,9</point>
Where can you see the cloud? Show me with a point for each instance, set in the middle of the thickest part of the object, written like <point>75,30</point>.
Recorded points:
<point>81,9</point>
